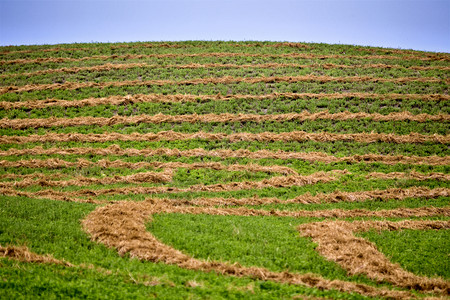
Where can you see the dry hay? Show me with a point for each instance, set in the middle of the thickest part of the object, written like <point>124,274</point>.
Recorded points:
<point>23,254</point>
<point>217,118</point>
<point>337,242</point>
<point>330,213</point>
<point>43,180</point>
<point>47,194</point>
<point>217,54</point>
<point>334,197</point>
<point>214,80</point>
<point>297,136</point>
<point>141,98</point>
<point>109,66</point>
<point>56,163</point>
<point>412,175</point>
<point>226,153</point>
<point>307,198</point>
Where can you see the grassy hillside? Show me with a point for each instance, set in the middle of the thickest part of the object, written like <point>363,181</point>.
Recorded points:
<point>209,170</point>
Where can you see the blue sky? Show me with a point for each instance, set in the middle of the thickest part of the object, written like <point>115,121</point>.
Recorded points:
<point>406,24</point>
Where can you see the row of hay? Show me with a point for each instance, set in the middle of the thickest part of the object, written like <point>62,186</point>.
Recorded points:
<point>108,67</point>
<point>297,136</point>
<point>214,80</point>
<point>216,54</point>
<point>217,118</point>
<point>227,153</point>
<point>140,98</point>
<point>56,163</point>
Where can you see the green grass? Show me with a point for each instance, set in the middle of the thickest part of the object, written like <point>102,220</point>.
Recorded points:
<point>423,252</point>
<point>272,243</point>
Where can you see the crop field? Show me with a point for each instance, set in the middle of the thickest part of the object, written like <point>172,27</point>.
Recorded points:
<point>217,170</point>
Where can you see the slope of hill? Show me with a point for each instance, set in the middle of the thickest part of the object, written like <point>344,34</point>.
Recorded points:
<point>224,170</point>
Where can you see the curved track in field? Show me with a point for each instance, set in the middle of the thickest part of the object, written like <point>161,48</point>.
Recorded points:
<point>122,226</point>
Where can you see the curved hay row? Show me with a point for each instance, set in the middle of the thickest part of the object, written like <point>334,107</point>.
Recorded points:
<point>122,226</point>
<point>216,54</point>
<point>140,98</point>
<point>294,136</point>
<point>333,197</point>
<point>240,153</point>
<point>336,241</point>
<point>56,163</point>
<point>214,80</point>
<point>109,66</point>
<point>217,118</point>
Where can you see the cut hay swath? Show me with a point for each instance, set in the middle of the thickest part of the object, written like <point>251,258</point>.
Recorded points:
<point>214,80</point>
<point>155,98</point>
<point>166,156</point>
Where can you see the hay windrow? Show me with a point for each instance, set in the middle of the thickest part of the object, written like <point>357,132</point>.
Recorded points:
<point>214,80</point>
<point>337,242</point>
<point>109,66</point>
<point>22,253</point>
<point>226,153</point>
<point>56,163</point>
<point>145,177</point>
<point>122,226</point>
<point>297,136</point>
<point>214,54</point>
<point>48,194</point>
<point>331,213</point>
<point>140,98</point>
<point>412,175</point>
<point>217,118</point>
<point>333,197</point>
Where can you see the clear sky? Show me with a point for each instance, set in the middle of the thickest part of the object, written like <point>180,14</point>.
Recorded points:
<point>406,24</point>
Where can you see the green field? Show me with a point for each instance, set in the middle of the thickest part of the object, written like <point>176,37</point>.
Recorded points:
<point>217,170</point>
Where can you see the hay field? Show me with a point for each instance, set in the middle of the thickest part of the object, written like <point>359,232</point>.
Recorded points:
<point>216,170</point>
